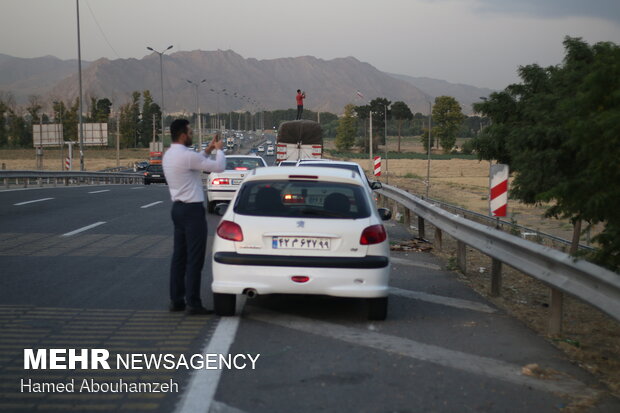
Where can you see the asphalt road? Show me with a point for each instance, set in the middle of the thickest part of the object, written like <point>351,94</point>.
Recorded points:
<point>443,348</point>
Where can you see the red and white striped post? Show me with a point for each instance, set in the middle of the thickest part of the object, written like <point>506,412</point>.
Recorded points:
<point>377,167</point>
<point>498,200</point>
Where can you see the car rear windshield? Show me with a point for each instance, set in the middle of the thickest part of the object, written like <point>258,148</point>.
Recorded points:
<point>349,167</point>
<point>244,164</point>
<point>155,168</point>
<point>302,199</point>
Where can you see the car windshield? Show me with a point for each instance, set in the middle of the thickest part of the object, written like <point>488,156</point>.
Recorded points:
<point>302,199</point>
<point>243,164</point>
<point>155,168</point>
<point>349,167</point>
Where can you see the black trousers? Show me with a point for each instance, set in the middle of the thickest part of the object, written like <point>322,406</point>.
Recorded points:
<point>300,110</point>
<point>190,245</point>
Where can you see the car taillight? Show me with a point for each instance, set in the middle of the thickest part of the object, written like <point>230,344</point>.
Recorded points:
<point>146,173</point>
<point>221,181</point>
<point>230,231</point>
<point>374,234</point>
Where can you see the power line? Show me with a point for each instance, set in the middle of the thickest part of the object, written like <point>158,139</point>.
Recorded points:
<point>100,29</point>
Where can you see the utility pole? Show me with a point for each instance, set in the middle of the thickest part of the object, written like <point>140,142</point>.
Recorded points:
<point>118,139</point>
<point>81,127</point>
<point>428,166</point>
<point>370,140</point>
<point>386,143</point>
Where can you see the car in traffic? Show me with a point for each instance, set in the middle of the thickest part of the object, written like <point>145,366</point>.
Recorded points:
<point>314,231</point>
<point>287,163</point>
<point>351,166</point>
<point>261,148</point>
<point>154,174</point>
<point>222,186</point>
<point>269,152</point>
<point>140,166</point>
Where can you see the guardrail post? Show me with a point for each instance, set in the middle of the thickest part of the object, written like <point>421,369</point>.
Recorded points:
<point>40,182</point>
<point>421,231</point>
<point>55,182</point>
<point>496,278</point>
<point>26,182</point>
<point>6,182</point>
<point>407,218</point>
<point>557,303</point>
<point>438,239</point>
<point>66,181</point>
<point>461,256</point>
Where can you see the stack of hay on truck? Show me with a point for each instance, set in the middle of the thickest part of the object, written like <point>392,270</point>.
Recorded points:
<point>299,139</point>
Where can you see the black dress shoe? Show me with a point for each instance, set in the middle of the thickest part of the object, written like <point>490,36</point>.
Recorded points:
<point>176,306</point>
<point>197,311</point>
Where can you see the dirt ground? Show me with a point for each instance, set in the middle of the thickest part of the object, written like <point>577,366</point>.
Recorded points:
<point>95,159</point>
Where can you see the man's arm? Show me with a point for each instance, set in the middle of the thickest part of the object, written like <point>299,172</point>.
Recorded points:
<point>201,162</point>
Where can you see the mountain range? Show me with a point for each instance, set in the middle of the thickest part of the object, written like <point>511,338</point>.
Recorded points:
<point>329,84</point>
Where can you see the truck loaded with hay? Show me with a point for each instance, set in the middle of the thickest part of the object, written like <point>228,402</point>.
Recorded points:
<point>299,139</point>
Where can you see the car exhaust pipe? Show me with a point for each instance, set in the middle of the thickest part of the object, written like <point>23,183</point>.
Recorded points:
<point>251,293</point>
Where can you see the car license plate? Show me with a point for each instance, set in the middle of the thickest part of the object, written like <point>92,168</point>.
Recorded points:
<point>237,181</point>
<point>302,243</point>
<point>155,176</point>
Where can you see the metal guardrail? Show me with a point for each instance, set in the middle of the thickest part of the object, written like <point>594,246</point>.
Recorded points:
<point>595,285</point>
<point>492,222</point>
<point>24,178</point>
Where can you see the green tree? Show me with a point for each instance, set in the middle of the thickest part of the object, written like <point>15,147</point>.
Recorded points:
<point>560,132</point>
<point>130,121</point>
<point>379,106</point>
<point>401,112</point>
<point>149,110</point>
<point>447,119</point>
<point>347,129</point>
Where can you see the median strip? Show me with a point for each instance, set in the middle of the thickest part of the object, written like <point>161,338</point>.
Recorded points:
<point>33,201</point>
<point>86,228</point>
<point>151,204</point>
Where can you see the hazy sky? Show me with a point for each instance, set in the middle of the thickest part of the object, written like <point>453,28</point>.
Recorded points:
<point>478,42</point>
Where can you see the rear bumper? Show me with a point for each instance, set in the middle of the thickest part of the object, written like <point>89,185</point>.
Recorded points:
<point>336,282</point>
<point>220,194</point>
<point>233,258</point>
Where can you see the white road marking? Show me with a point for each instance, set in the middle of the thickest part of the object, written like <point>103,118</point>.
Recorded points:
<point>137,187</point>
<point>471,363</point>
<point>151,204</point>
<point>443,300</point>
<point>403,261</point>
<point>30,202</point>
<point>219,407</point>
<point>86,228</point>
<point>203,384</point>
<point>98,192</point>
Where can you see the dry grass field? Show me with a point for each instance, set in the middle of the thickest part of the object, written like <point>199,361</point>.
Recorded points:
<point>95,159</point>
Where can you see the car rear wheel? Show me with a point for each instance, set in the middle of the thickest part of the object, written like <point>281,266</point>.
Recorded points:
<point>211,207</point>
<point>224,304</point>
<point>377,308</point>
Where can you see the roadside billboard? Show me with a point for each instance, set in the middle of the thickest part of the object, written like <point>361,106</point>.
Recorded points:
<point>47,135</point>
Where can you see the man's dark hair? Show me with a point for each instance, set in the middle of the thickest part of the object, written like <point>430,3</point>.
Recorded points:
<point>177,128</point>
<point>298,90</point>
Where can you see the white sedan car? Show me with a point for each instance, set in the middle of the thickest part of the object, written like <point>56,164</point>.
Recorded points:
<point>221,187</point>
<point>293,231</point>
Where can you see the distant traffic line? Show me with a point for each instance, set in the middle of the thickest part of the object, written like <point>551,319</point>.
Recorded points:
<point>151,204</point>
<point>33,201</point>
<point>86,228</point>
<point>98,192</point>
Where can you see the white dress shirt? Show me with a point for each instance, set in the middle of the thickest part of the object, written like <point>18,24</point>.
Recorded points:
<point>183,170</point>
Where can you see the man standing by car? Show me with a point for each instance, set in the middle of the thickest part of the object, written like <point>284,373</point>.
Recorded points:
<point>183,170</point>
<point>300,103</point>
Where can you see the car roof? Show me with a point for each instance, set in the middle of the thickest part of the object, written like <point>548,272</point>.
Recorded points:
<point>243,156</point>
<point>284,172</point>
<point>307,161</point>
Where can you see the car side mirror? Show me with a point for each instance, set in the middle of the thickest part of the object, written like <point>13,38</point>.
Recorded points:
<point>220,209</point>
<point>375,185</point>
<point>385,214</point>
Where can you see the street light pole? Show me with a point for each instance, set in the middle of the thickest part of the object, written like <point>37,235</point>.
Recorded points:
<point>81,127</point>
<point>428,166</point>
<point>199,118</point>
<point>161,78</point>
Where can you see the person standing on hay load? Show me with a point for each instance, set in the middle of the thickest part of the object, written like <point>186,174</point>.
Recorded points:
<point>300,103</point>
